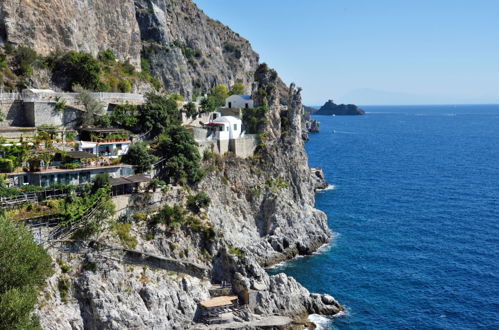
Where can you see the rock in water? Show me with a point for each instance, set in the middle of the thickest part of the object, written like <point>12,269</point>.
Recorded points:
<point>330,108</point>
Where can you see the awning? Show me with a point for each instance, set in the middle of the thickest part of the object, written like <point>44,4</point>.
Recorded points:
<point>118,181</point>
<point>80,155</point>
<point>138,178</point>
<point>88,145</point>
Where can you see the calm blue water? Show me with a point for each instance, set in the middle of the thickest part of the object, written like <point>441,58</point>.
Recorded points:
<point>415,209</point>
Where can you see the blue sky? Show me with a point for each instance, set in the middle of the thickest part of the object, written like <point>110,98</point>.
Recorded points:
<point>374,51</point>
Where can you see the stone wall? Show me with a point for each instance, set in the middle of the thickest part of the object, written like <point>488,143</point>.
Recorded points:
<point>219,147</point>
<point>244,147</point>
<point>12,113</point>
<point>38,114</point>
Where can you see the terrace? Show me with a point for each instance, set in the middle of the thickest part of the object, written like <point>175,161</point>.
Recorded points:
<point>108,142</point>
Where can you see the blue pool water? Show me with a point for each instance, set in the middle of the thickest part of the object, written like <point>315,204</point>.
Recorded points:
<point>415,212</point>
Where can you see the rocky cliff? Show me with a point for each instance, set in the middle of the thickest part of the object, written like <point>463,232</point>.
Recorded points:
<point>82,25</point>
<point>186,50</point>
<point>261,210</point>
<point>261,213</point>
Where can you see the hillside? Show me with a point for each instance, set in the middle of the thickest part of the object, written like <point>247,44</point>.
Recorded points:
<point>186,50</point>
<point>161,250</point>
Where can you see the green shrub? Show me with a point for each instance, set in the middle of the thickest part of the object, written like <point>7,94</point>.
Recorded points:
<point>70,166</point>
<point>207,155</point>
<point>123,232</point>
<point>145,65</point>
<point>125,86</point>
<point>65,268</point>
<point>139,216</point>
<point>171,216</point>
<point>187,51</point>
<point>79,69</point>
<point>24,270</point>
<point>63,284</point>
<point>106,56</point>
<point>6,165</point>
<point>236,252</point>
<point>24,59</point>
<point>101,180</point>
<point>197,202</point>
<point>255,119</point>
<point>89,266</point>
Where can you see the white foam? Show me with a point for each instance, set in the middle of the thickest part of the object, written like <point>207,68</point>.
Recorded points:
<point>329,187</point>
<point>320,321</point>
<point>323,249</point>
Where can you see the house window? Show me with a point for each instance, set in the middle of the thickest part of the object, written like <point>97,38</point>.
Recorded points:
<point>118,146</point>
<point>230,104</point>
<point>84,177</point>
<point>45,181</point>
<point>246,105</point>
<point>235,127</point>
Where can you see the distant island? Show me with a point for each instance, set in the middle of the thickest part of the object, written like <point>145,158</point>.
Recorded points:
<point>330,108</point>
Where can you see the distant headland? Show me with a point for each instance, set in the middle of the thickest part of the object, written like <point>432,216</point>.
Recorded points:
<point>330,108</point>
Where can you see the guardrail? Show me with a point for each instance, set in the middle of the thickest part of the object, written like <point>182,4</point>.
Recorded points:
<point>10,96</point>
<point>27,96</point>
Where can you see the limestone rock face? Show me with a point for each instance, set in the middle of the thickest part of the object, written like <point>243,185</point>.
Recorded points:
<point>186,50</point>
<point>261,207</point>
<point>172,29</point>
<point>82,25</point>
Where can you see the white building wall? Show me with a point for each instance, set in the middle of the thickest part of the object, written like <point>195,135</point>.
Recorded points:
<point>238,101</point>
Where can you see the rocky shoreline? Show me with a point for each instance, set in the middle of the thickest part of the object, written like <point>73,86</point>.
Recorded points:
<point>262,208</point>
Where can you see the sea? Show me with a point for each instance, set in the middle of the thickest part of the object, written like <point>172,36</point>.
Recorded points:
<point>413,203</point>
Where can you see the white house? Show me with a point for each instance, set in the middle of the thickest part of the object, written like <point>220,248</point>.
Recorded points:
<point>225,128</point>
<point>239,101</point>
<point>110,149</point>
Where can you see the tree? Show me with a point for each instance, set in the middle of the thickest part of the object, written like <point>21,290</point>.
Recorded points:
<point>139,156</point>
<point>125,116</point>
<point>47,155</point>
<point>93,108</point>
<point>219,94</point>
<point>255,120</point>
<point>190,110</point>
<point>159,112</point>
<point>237,89</point>
<point>208,104</point>
<point>181,156</point>
<point>24,58</point>
<point>24,270</point>
<point>101,180</point>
